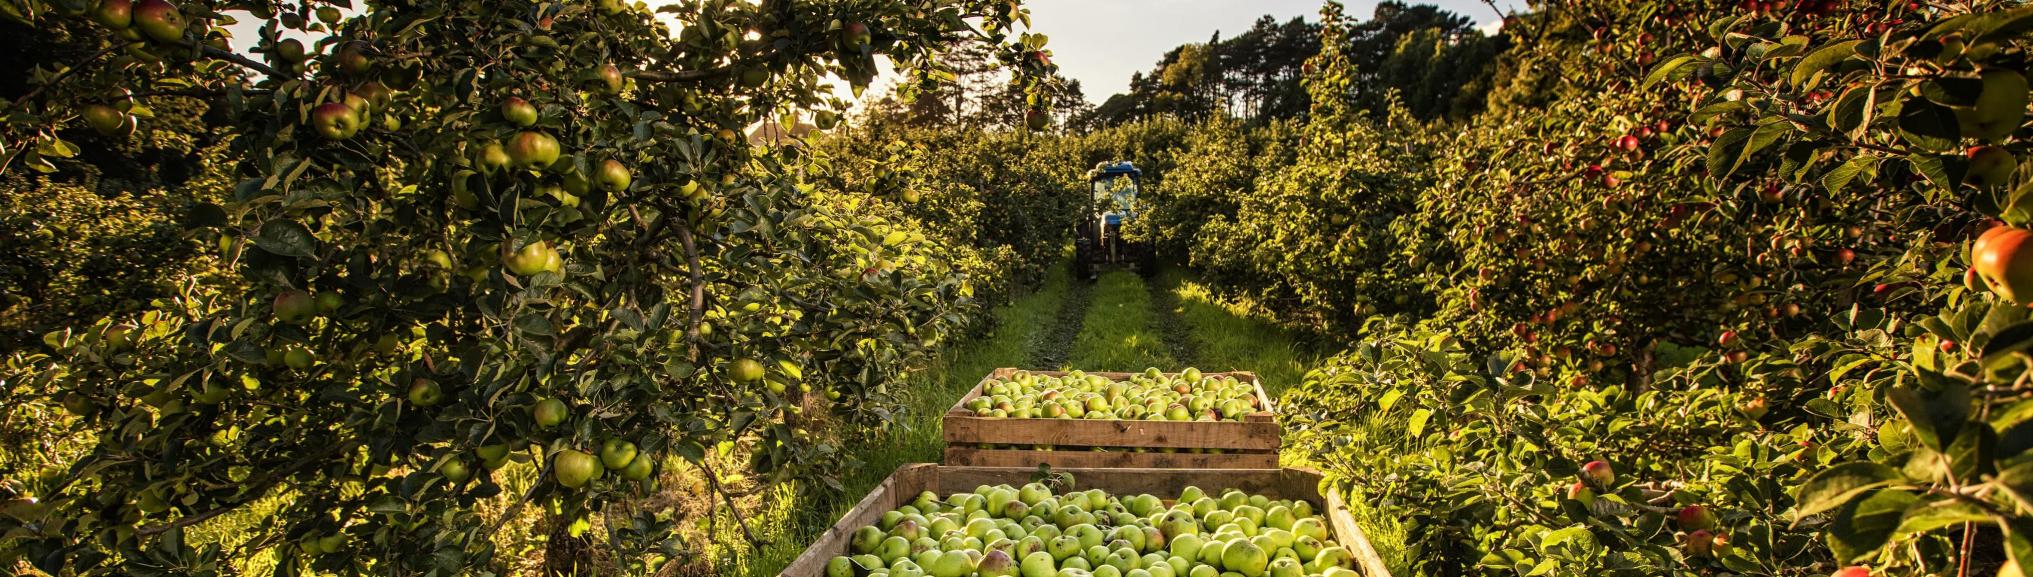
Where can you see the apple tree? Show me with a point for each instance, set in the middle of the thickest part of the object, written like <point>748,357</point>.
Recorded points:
<point>464,234</point>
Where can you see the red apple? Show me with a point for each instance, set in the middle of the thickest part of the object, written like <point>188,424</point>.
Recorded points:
<point>1598,474</point>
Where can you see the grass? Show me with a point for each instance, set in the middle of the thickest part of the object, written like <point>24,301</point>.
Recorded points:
<point>1227,337</point>
<point>1121,330</point>
<point>789,522</point>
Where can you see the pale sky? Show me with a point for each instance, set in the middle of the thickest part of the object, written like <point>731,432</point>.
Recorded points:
<point>1101,42</point>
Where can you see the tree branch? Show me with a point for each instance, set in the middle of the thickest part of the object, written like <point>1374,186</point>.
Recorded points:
<point>262,487</point>
<point>698,305</point>
<point>679,76</point>
<point>236,58</point>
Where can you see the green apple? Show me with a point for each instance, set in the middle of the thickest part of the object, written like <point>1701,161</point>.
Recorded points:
<point>519,112</point>
<point>1286,567</point>
<point>534,258</point>
<point>1064,547</point>
<point>867,539</point>
<point>335,121</point>
<point>639,468</point>
<point>1307,547</point>
<point>1129,535</point>
<point>107,120</point>
<point>840,567</point>
<point>533,149</point>
<point>949,564</point>
<point>1280,517</point>
<point>893,548</point>
<point>1211,552</point>
<point>1246,558</point>
<point>1279,538</point>
<point>1216,519</point>
<point>1311,527</point>
<point>1187,546</point>
<point>160,20</point>
<point>294,307</point>
<point>425,392</point>
<point>1034,493</point>
<point>1039,564</point>
<point>1333,556</point>
<point>549,413</point>
<point>996,563</point>
<point>617,453</point>
<point>575,469</point>
<point>114,14</point>
<point>909,529</point>
<point>1123,559</point>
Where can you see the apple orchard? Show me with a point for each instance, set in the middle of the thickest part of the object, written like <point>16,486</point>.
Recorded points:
<point>424,287</point>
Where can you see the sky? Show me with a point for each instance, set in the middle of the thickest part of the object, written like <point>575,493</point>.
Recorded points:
<point>1101,42</point>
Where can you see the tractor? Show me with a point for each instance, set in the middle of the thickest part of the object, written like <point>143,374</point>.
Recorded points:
<point>1099,243</point>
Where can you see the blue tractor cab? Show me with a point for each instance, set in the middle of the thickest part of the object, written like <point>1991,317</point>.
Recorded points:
<point>1112,205</point>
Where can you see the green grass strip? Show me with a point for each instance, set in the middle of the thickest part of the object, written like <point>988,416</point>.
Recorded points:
<point>1120,331</point>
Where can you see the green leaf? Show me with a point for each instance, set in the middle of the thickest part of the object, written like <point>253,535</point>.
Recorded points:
<point>1764,136</point>
<point>1671,68</point>
<point>286,238</point>
<point>1852,112</point>
<point>2005,347</point>
<point>2017,481</point>
<point>1928,125</point>
<point>1837,486</point>
<point>1820,60</point>
<point>1940,514</point>
<point>1723,155</point>
<point>1415,427</point>
<point>1864,525</point>
<point>1937,418</point>
<point>1841,176</point>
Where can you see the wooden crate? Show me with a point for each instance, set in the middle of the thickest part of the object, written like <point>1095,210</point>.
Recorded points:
<point>1247,444</point>
<point>972,457</point>
<point>910,480</point>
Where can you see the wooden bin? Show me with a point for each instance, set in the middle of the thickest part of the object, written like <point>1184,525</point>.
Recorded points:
<point>910,480</point>
<point>1251,443</point>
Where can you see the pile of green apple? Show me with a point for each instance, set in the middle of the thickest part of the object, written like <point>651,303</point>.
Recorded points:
<point>1002,531</point>
<point>1151,395</point>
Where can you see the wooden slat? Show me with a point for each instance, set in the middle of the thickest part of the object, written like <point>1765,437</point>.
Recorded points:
<point>1357,543</point>
<point>1258,430</point>
<point>893,492</point>
<point>1166,483</point>
<point>972,457</point>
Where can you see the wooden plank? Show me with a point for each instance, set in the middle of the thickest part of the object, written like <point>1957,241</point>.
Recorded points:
<point>893,492</point>
<point>1166,483</point>
<point>1352,538</point>
<point>1258,430</point>
<point>970,430</point>
<point>972,457</point>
